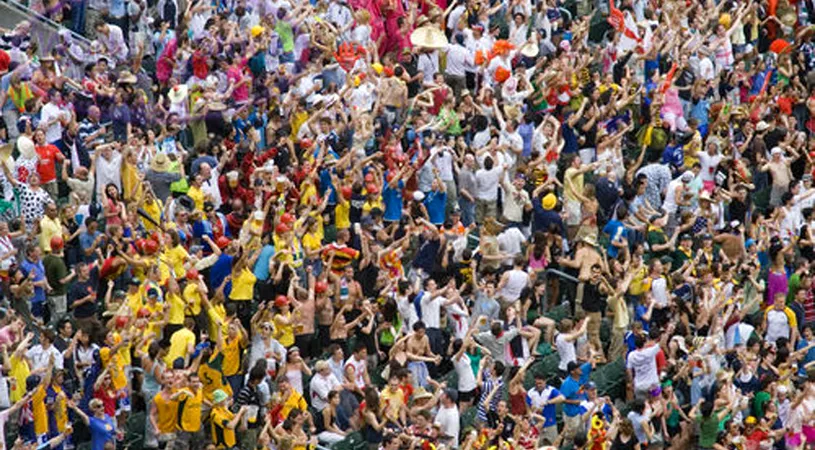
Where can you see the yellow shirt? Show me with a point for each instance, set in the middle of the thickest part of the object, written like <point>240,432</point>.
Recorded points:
<point>192,299</point>
<point>134,301</point>
<point>295,400</point>
<point>222,435</point>
<point>117,372</point>
<point>167,413</point>
<point>243,286</point>
<point>232,356</point>
<point>312,242</point>
<point>177,306</point>
<point>176,257</point>
<point>393,401</point>
<point>124,351</point>
<point>369,205</point>
<point>217,313</point>
<point>197,196</point>
<point>342,214</point>
<point>156,316</point>
<point>307,191</point>
<point>577,183</point>
<point>180,341</point>
<point>60,408</point>
<point>212,376</point>
<point>38,411</point>
<point>153,210</point>
<point>48,229</point>
<point>19,371</point>
<point>190,407</point>
<point>294,258</point>
<point>297,120</point>
<point>284,333</point>
<point>130,180</point>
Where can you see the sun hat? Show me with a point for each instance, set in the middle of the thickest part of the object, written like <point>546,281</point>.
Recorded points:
<point>428,37</point>
<point>126,77</point>
<point>178,93</point>
<point>549,201</point>
<point>160,163</point>
<point>219,396</point>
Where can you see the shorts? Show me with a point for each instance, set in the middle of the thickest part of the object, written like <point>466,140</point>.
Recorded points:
<point>468,396</point>
<point>549,435</point>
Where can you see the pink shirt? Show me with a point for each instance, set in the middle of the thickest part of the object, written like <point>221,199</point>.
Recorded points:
<point>235,75</point>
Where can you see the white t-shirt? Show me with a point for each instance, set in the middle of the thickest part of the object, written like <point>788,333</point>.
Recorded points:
<point>320,387</point>
<point>431,310</point>
<point>486,183</point>
<point>659,292</point>
<point>448,419</point>
<point>464,373</point>
<point>709,164</point>
<point>778,325</point>
<point>644,364</point>
<point>510,241</point>
<point>39,357</point>
<point>359,370</point>
<point>566,350</point>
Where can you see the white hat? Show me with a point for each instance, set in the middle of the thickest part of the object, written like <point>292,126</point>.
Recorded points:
<point>178,93</point>
<point>232,175</point>
<point>258,215</point>
<point>781,389</point>
<point>762,126</point>
<point>418,196</point>
<point>776,151</point>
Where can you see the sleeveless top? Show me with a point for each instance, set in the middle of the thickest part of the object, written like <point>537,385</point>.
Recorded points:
<point>517,403</point>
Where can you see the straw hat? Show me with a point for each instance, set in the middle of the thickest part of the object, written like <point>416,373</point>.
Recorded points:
<point>421,393</point>
<point>125,77</point>
<point>217,106</point>
<point>428,37</point>
<point>178,93</point>
<point>590,239</point>
<point>160,163</point>
<point>530,50</point>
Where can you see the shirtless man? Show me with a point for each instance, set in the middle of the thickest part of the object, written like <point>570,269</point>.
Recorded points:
<point>419,354</point>
<point>585,257</point>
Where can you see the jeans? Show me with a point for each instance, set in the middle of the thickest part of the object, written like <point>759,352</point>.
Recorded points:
<point>78,16</point>
<point>467,211</point>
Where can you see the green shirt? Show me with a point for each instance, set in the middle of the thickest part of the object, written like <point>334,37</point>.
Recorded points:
<point>55,270</point>
<point>708,430</point>
<point>286,35</point>
<point>761,398</point>
<point>657,237</point>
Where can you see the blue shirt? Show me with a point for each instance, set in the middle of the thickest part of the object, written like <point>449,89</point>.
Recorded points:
<point>85,242</point>
<point>38,270</point>
<point>808,357</point>
<point>526,131</point>
<point>550,410</point>
<point>435,203</point>
<point>261,269</point>
<point>219,272</point>
<point>392,198</point>
<point>572,390</point>
<point>102,431</point>
<point>615,230</point>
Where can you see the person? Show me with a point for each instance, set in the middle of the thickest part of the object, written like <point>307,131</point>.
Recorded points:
<point>102,426</point>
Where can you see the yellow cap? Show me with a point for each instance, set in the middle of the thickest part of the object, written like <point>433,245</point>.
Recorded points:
<point>378,68</point>
<point>549,201</point>
<point>256,30</point>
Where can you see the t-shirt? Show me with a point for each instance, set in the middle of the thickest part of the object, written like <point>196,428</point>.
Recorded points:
<point>535,400</point>
<point>189,407</point>
<point>79,290</point>
<point>177,305</point>
<point>566,351</point>
<point>180,341</point>
<point>392,198</point>
<point>102,431</point>
<point>222,435</point>
<point>434,202</point>
<point>571,390</point>
<point>243,286</point>
<point>708,430</point>
<point>644,364</point>
<point>448,418</point>
<point>47,155</point>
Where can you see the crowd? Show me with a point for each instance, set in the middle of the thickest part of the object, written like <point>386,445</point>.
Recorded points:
<point>385,224</point>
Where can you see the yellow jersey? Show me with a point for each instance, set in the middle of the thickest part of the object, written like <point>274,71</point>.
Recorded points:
<point>294,401</point>
<point>189,407</point>
<point>197,196</point>
<point>212,376</point>
<point>38,411</point>
<point>222,435</point>
<point>153,210</point>
<point>216,313</point>
<point>176,257</point>
<point>232,356</point>
<point>167,412</point>
<point>342,213</point>
<point>19,372</point>
<point>284,333</point>
<point>243,286</point>
<point>58,406</point>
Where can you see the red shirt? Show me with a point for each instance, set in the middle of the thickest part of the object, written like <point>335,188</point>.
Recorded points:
<point>46,164</point>
<point>108,399</point>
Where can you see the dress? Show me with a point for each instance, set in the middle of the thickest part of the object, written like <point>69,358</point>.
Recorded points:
<point>776,283</point>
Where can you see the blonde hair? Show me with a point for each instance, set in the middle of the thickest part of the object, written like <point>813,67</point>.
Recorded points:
<point>363,17</point>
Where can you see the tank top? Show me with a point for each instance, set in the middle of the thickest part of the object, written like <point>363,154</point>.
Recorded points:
<point>669,205</point>
<point>516,281</point>
<point>628,445</point>
<point>537,263</point>
<point>151,386</point>
<point>517,403</point>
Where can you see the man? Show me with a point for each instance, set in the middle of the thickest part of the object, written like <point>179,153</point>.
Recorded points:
<point>56,272</point>
<point>642,367</point>
<point>585,258</point>
<point>163,414</point>
<point>542,399</point>
<point>249,398</point>
<point>190,402</point>
<point>32,267</point>
<point>82,298</point>
<point>322,383</point>
<point>448,419</point>
<point>182,344</point>
<point>467,190</point>
<point>392,397</point>
<point>779,168</point>
<point>780,320</point>
<point>516,201</point>
<point>496,339</point>
<point>223,421</point>
<point>41,354</point>
<point>356,369</point>
<point>594,304</point>
<point>572,390</point>
<point>102,426</point>
<point>91,135</point>
<point>50,227</point>
<point>112,38</point>
<point>573,191</point>
<point>53,118</point>
<point>459,58</point>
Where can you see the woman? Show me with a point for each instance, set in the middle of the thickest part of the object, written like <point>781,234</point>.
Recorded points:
<point>154,367</point>
<point>102,425</point>
<point>294,368</point>
<point>33,197</point>
<point>113,207</point>
<point>371,411</point>
<point>328,432</point>
<point>625,439</point>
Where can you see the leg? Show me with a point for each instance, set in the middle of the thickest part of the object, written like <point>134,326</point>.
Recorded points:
<point>594,331</point>
<point>548,325</point>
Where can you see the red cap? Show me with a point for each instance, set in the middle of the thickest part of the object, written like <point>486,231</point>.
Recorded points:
<point>57,243</point>
<point>192,274</point>
<point>369,177</point>
<point>282,228</point>
<point>346,192</point>
<point>121,321</point>
<point>140,244</point>
<point>390,176</point>
<point>287,218</point>
<point>222,242</point>
<point>372,188</point>
<point>306,143</point>
<point>281,300</point>
<point>144,312</point>
<point>150,247</point>
<point>320,287</point>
